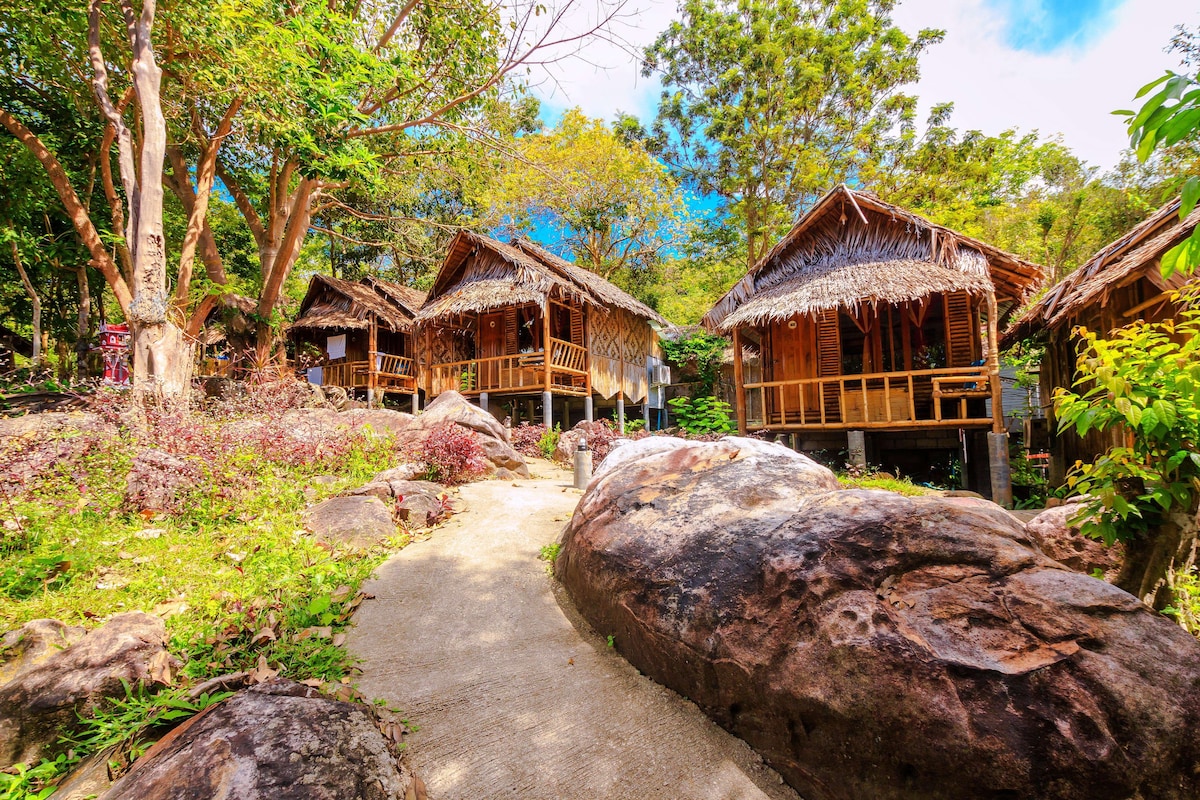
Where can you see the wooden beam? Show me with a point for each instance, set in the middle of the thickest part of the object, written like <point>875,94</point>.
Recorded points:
<point>739,394</point>
<point>546,343</point>
<point>372,369</point>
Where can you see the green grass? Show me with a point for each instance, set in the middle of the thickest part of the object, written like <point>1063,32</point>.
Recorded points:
<point>236,578</point>
<point>886,482</point>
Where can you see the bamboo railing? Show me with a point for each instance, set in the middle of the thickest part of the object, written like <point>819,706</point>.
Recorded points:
<point>392,374</point>
<point>913,398</point>
<point>520,373</point>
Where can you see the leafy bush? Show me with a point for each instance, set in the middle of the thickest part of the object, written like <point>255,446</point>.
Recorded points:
<point>1145,378</point>
<point>451,455</point>
<point>706,349</point>
<point>702,415</point>
<point>549,441</point>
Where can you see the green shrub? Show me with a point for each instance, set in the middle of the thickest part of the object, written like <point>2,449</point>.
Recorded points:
<point>702,415</point>
<point>549,441</point>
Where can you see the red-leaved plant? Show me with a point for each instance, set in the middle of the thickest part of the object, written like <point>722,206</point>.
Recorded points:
<point>451,456</point>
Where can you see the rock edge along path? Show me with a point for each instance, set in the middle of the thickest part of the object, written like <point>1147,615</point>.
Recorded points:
<point>513,696</point>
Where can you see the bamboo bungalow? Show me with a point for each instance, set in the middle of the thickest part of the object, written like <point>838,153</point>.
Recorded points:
<point>866,317</point>
<point>1121,283</point>
<point>508,323</point>
<point>360,335</point>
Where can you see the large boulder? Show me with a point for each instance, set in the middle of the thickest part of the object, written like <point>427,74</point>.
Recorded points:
<point>52,673</point>
<point>486,430</point>
<point>276,741</point>
<point>361,522</point>
<point>874,645</point>
<point>1058,538</point>
<point>597,433</point>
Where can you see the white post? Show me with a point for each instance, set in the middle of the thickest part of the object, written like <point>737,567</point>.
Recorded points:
<point>483,400</point>
<point>856,442</point>
<point>548,410</point>
<point>587,408</point>
<point>416,402</point>
<point>621,413</point>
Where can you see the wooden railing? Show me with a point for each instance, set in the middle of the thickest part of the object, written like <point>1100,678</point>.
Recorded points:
<point>393,374</point>
<point>878,400</point>
<point>524,372</point>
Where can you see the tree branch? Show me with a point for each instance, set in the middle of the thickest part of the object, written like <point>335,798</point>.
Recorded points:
<point>75,210</point>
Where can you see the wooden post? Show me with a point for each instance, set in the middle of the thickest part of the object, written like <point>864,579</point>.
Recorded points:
<point>428,363</point>
<point>372,372</point>
<point>993,364</point>
<point>739,394</point>
<point>547,351</point>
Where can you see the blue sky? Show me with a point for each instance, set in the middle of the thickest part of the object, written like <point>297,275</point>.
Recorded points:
<point>1046,26</point>
<point>1056,66</point>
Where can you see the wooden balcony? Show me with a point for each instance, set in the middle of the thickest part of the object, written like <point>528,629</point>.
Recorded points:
<point>949,397</point>
<point>392,374</point>
<point>524,373</point>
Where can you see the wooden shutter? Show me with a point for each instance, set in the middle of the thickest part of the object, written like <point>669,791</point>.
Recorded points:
<point>510,330</point>
<point>829,344</point>
<point>577,326</point>
<point>960,332</point>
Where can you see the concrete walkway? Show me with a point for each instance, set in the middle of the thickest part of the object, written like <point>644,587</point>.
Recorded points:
<point>512,695</point>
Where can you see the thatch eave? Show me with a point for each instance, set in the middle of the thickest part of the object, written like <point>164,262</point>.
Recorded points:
<point>850,286</point>
<point>856,230</point>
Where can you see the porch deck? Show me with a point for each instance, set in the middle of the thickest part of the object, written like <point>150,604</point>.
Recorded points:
<point>392,374</point>
<point>910,399</point>
<point>523,373</point>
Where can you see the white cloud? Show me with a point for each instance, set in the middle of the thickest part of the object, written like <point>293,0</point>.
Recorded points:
<point>993,86</point>
<point>605,77</point>
<point>1071,91</point>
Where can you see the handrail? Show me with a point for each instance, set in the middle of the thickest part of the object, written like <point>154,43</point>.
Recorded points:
<point>876,399</point>
<point>516,372</point>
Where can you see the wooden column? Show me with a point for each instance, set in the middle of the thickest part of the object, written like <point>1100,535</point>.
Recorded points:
<point>546,349</point>
<point>993,364</point>
<point>429,363</point>
<point>739,394</point>
<point>372,372</point>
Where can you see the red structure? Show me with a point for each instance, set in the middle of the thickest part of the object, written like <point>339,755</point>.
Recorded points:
<point>114,345</point>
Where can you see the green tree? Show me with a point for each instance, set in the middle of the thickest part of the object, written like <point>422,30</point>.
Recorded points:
<point>614,206</point>
<point>767,104</point>
<point>286,104</point>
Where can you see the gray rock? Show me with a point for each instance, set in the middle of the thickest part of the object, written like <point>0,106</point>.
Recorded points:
<point>362,522</point>
<point>1063,542</point>
<point>276,741</point>
<point>870,645</point>
<point>486,430</point>
<point>416,503</point>
<point>46,687</point>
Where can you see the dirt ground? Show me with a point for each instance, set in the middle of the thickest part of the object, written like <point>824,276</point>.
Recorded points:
<point>512,695</point>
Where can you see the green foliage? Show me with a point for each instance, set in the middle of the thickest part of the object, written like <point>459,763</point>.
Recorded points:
<point>23,782</point>
<point>872,479</point>
<point>701,415</point>
<point>549,441</point>
<point>1146,377</point>
<point>549,554</point>
<point>1186,608</point>
<point>767,104</point>
<point>707,349</point>
<point>1169,116</point>
<point>614,206</point>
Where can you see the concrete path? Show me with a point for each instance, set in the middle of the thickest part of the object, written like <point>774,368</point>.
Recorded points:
<point>513,696</point>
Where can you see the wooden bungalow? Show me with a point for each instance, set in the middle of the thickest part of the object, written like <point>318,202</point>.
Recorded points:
<point>868,318</point>
<point>358,335</point>
<point>509,323</point>
<point>1121,283</point>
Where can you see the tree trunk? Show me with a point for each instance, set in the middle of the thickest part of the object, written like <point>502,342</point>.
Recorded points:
<point>1148,559</point>
<point>162,359</point>
<point>83,324</point>
<point>34,300</point>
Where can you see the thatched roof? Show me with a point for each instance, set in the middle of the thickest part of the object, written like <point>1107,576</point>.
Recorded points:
<point>852,248</point>
<point>482,274</point>
<point>1135,255</point>
<point>335,303</point>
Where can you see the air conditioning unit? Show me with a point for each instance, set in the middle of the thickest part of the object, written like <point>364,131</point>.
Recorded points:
<point>662,375</point>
